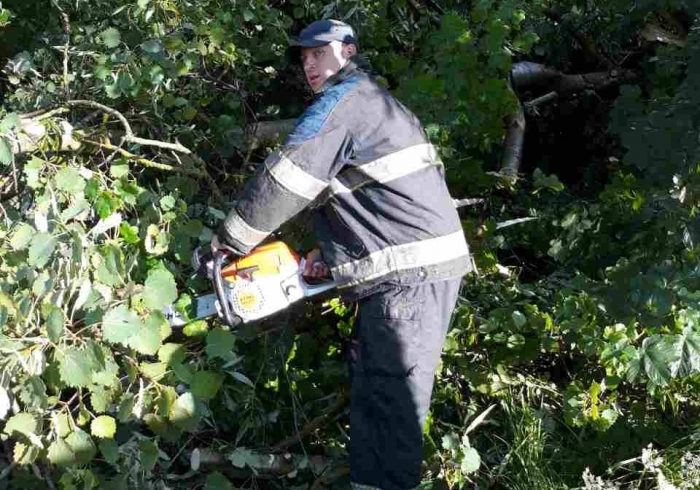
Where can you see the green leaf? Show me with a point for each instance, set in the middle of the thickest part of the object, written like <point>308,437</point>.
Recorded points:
<point>172,353</point>
<point>75,210</point>
<point>160,289</point>
<point>153,370</point>
<point>107,374</point>
<point>550,182</point>
<point>519,319</point>
<point>119,169</point>
<point>129,233</point>
<point>82,446</point>
<point>21,424</point>
<point>196,328</point>
<point>24,454</point>
<point>43,245</point>
<point>32,170</point>
<point>167,202</point>
<point>111,37</point>
<point>154,46</point>
<point>9,122</point>
<point>126,406</point>
<point>42,284</point>
<point>205,384</point>
<point>69,180</point>
<point>5,151</point>
<point>103,427</point>
<point>471,461</point>
<point>22,236</point>
<point>217,481</point>
<point>55,324</point>
<point>657,355</point>
<point>241,456</point>
<point>120,324</point>
<point>148,455</point>
<point>75,366</point>
<point>219,344</point>
<point>33,393</point>
<point>248,15</point>
<point>515,341</point>
<point>100,399</point>
<point>110,450</point>
<point>184,411</point>
<point>101,72</point>
<point>61,454</point>
<point>687,347</point>
<point>148,340</point>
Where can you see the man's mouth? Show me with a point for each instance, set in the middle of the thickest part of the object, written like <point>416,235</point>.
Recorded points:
<point>313,79</point>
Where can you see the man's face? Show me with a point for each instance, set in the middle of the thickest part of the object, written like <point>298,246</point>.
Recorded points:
<point>324,61</point>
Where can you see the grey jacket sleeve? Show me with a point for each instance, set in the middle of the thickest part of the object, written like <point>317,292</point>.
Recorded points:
<point>289,179</point>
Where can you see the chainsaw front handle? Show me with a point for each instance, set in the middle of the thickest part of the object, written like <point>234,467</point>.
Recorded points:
<point>218,280</point>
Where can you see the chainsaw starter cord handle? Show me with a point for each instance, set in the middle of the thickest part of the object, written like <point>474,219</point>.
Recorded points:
<point>218,281</point>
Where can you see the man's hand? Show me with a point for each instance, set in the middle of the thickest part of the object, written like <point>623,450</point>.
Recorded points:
<point>315,267</point>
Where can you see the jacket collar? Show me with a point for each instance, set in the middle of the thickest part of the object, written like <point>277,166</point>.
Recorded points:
<point>350,69</point>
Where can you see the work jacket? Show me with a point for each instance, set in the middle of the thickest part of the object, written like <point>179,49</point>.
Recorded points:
<point>383,212</point>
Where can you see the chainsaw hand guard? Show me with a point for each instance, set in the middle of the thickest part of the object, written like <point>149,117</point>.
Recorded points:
<point>227,316</point>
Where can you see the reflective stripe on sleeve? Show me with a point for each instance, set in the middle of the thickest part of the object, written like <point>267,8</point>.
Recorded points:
<point>296,180</point>
<point>242,231</point>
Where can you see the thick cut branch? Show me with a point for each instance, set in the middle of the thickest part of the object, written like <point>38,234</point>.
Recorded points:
<point>262,465</point>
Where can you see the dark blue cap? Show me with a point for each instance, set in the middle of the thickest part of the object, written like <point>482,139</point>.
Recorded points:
<point>322,32</point>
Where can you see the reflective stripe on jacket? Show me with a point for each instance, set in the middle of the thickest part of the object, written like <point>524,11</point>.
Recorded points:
<point>383,209</point>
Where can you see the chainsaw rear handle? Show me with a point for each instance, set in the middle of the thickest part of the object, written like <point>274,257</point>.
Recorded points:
<point>229,318</point>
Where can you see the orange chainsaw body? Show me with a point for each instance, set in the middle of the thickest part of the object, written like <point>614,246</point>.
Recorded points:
<point>271,259</point>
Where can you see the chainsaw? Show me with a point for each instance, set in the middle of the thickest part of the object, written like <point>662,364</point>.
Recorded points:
<point>266,281</point>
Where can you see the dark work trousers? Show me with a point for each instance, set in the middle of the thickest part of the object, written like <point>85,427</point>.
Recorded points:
<point>399,334</point>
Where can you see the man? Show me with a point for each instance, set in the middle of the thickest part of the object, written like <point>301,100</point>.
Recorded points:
<point>389,234</point>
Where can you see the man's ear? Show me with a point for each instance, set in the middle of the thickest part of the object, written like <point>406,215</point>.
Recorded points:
<point>349,50</point>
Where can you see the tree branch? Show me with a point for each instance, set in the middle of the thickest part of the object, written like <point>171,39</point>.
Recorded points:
<point>129,137</point>
<point>144,161</point>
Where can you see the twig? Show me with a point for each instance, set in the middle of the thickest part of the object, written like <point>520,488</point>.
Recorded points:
<point>467,201</point>
<point>313,424</point>
<point>129,137</point>
<point>37,116</point>
<point>144,161</point>
<point>66,29</point>
<point>517,221</point>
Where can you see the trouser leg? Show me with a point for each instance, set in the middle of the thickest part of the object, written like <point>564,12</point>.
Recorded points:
<point>398,340</point>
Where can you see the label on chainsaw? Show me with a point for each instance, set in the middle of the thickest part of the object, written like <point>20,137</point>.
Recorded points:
<point>249,300</point>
